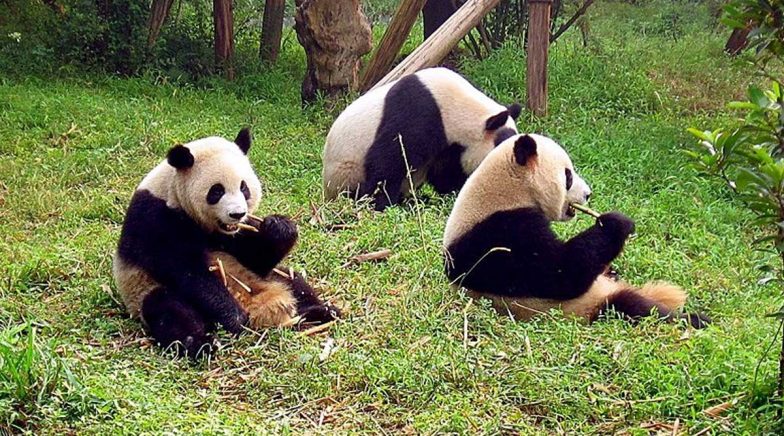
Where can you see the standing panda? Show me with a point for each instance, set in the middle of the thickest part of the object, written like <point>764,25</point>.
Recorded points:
<point>445,125</point>
<point>190,254</point>
<point>498,242</point>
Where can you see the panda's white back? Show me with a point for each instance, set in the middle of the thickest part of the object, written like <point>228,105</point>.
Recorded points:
<point>463,109</point>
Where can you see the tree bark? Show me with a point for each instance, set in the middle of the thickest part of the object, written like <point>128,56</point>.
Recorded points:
<point>335,35</point>
<point>435,13</point>
<point>159,12</point>
<point>223,19</point>
<point>538,45</point>
<point>391,42</point>
<point>738,41</point>
<point>271,30</point>
<point>440,43</point>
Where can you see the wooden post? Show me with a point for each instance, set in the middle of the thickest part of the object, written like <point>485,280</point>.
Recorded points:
<point>440,43</point>
<point>538,45</point>
<point>271,30</point>
<point>223,18</point>
<point>393,39</point>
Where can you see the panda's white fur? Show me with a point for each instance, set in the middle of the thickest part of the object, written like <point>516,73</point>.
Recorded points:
<point>464,111</point>
<point>499,184</point>
<point>228,165</point>
<point>184,263</point>
<point>500,199</point>
<point>186,190</point>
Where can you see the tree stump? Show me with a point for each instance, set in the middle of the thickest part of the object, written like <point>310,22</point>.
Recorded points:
<point>335,35</point>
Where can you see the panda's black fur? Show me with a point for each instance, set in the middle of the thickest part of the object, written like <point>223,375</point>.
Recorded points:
<point>163,260</point>
<point>363,155</point>
<point>499,244</point>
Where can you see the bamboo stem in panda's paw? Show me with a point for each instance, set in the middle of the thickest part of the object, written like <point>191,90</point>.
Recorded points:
<point>247,227</point>
<point>584,209</point>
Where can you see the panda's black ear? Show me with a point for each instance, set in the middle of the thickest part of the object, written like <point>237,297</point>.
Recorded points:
<point>180,157</point>
<point>524,149</point>
<point>514,110</point>
<point>496,121</point>
<point>243,140</point>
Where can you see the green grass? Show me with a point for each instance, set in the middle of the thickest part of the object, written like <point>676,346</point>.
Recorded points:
<point>412,355</point>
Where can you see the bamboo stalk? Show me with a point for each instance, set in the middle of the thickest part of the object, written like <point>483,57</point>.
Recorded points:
<point>317,329</point>
<point>247,227</point>
<point>584,209</point>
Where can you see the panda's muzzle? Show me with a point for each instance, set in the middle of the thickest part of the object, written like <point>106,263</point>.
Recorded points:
<point>228,228</point>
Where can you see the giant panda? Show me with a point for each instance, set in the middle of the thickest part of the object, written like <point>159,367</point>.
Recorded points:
<point>498,242</point>
<point>191,255</point>
<point>446,127</point>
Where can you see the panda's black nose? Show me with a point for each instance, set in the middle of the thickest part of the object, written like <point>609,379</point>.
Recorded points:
<point>237,215</point>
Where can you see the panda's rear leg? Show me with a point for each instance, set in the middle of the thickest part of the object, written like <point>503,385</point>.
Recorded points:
<point>384,193</point>
<point>310,307</point>
<point>634,305</point>
<point>176,324</point>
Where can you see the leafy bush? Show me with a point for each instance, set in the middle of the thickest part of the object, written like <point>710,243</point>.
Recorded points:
<point>750,158</point>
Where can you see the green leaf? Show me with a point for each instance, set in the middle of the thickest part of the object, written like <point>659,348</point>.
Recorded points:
<point>758,97</point>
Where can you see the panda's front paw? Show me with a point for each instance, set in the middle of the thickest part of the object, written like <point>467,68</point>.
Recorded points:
<point>280,227</point>
<point>235,321</point>
<point>616,224</point>
<point>319,313</point>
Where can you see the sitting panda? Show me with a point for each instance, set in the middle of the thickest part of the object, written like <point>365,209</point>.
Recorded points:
<point>446,127</point>
<point>190,254</point>
<point>498,242</point>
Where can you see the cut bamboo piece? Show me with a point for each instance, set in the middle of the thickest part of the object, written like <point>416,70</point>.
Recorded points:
<point>584,209</point>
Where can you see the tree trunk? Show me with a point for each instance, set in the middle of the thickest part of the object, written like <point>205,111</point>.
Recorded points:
<point>538,45</point>
<point>271,30</point>
<point>335,35</point>
<point>223,19</point>
<point>159,12</point>
<point>738,41</point>
<point>435,13</point>
<point>441,42</point>
<point>390,44</point>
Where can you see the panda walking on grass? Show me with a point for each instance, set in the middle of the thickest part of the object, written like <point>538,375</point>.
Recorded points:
<point>191,255</point>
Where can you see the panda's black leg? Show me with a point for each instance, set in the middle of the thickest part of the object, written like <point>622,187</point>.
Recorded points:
<point>384,192</point>
<point>175,323</point>
<point>309,306</point>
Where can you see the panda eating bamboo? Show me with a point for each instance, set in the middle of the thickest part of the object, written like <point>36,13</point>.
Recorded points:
<point>191,255</point>
<point>499,245</point>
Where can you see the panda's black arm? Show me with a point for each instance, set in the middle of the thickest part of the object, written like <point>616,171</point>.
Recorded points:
<point>172,249</point>
<point>261,251</point>
<point>586,255</point>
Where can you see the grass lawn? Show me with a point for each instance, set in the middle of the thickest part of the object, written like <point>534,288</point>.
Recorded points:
<point>412,355</point>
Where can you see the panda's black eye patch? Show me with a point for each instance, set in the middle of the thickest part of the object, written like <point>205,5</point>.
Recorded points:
<point>245,190</point>
<point>568,179</point>
<point>215,194</point>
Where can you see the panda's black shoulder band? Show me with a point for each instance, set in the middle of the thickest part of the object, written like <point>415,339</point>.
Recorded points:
<point>180,157</point>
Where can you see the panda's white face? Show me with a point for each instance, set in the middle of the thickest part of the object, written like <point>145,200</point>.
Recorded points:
<point>553,184</point>
<point>220,188</point>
